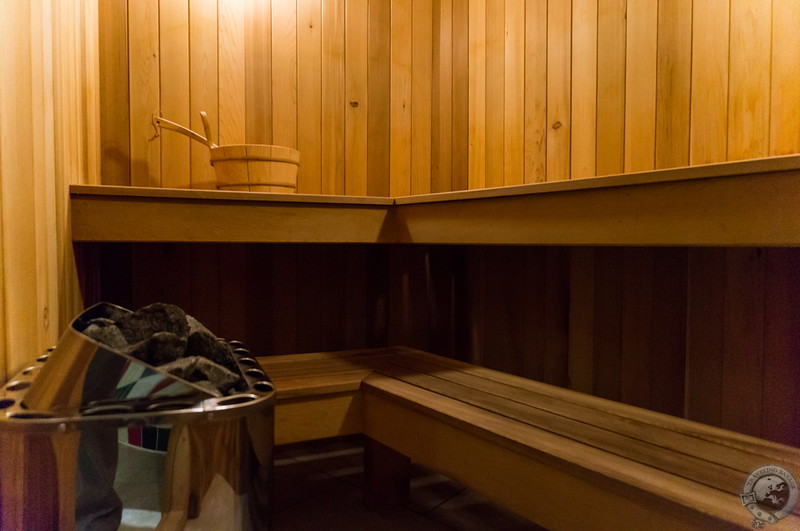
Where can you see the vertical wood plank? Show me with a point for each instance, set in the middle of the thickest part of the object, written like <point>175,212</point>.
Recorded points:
<point>258,74</point>
<point>743,347</point>
<point>476,259</point>
<point>704,335</point>
<point>673,83</point>
<point>356,296</point>
<point>785,98</point>
<point>284,73</point>
<point>320,298</point>
<point>749,86</point>
<point>534,294</point>
<point>284,324</point>
<point>203,78</point>
<point>514,96</point>
<point>637,309</point>
<point>234,285</point>
<point>144,92</point>
<point>422,96</point>
<point>231,56</point>
<point>559,24</point>
<point>461,89</point>
<point>556,324</point>
<point>668,333</point>
<point>607,322</point>
<point>640,85</point>
<point>174,64</point>
<point>781,393</point>
<point>205,282</point>
<point>379,78</point>
<point>610,86</point>
<point>114,93</point>
<point>356,125</point>
<point>584,89</point>
<point>333,25</point>
<point>709,105</point>
<point>400,132</point>
<point>536,91</point>
<point>495,92</point>
<point>442,97</point>
<point>581,318</point>
<point>309,95</point>
<point>477,94</point>
<point>503,316</point>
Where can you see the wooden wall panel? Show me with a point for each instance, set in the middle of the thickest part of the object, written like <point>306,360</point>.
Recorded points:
<point>749,86</point>
<point>673,83</point>
<point>48,115</point>
<point>785,96</point>
<point>452,94</point>
<point>423,98</point>
<point>536,91</point>
<point>584,89</point>
<point>611,83</point>
<point>641,38</point>
<point>173,23</point>
<point>356,59</point>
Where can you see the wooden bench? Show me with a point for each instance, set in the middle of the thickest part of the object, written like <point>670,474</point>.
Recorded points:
<point>563,459</point>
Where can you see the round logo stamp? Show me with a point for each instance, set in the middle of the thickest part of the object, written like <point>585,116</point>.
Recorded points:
<point>769,493</point>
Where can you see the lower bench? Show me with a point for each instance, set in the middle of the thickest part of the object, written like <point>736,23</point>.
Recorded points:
<point>563,459</point>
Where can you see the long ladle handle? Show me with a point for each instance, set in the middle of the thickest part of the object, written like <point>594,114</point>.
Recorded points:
<point>207,129</point>
<point>166,124</point>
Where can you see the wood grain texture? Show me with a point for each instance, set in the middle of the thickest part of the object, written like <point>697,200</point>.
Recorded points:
<point>114,94</point>
<point>710,75</point>
<point>461,90</point>
<point>378,148</point>
<point>173,23</point>
<point>495,92</point>
<point>477,94</point>
<point>309,95</point>
<point>640,84</point>
<point>536,91</point>
<point>514,96</point>
<point>333,79</point>
<point>441,97</point>
<point>144,78</point>
<point>401,94</point>
<point>748,89</point>
<point>284,73</point>
<point>674,65</point>
<point>785,89</point>
<point>232,77</point>
<point>611,95</point>
<point>203,70</point>
<point>638,323</point>
<point>258,72</point>
<point>423,97</point>
<point>584,89</point>
<point>356,90</point>
<point>559,53</point>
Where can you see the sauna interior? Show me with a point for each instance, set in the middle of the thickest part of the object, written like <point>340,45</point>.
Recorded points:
<point>396,99</point>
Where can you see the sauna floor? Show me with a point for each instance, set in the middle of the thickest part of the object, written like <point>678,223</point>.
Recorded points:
<point>319,485</point>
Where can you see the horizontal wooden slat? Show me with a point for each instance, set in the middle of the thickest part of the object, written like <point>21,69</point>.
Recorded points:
<point>748,203</point>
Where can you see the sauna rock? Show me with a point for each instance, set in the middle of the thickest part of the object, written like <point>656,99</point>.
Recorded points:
<point>164,336</point>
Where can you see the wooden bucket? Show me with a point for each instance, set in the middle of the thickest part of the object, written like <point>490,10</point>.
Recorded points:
<point>256,167</point>
<point>244,167</point>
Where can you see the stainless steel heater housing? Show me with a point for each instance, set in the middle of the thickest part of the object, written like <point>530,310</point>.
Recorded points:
<point>59,420</point>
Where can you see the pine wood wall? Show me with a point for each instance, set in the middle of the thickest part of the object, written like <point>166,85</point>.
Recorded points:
<point>403,97</point>
<point>48,139</point>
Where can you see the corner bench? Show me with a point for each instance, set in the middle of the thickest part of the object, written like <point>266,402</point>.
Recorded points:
<point>563,459</point>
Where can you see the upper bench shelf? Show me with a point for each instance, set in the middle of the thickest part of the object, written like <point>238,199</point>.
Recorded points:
<point>749,203</point>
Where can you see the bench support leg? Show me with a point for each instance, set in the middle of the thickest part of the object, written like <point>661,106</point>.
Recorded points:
<point>387,475</point>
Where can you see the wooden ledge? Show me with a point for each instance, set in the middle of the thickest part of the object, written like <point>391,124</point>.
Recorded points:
<point>743,203</point>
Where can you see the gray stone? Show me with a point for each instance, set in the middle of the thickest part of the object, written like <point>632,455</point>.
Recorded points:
<point>107,334</point>
<point>199,369</point>
<point>149,320</point>
<point>159,348</point>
